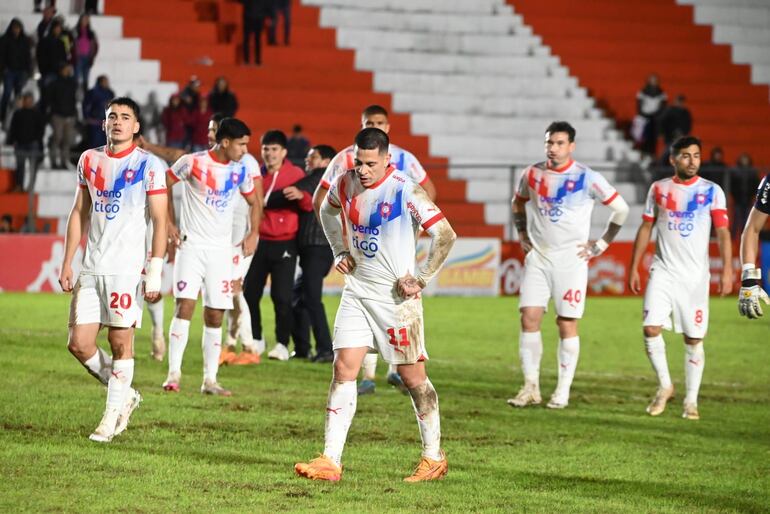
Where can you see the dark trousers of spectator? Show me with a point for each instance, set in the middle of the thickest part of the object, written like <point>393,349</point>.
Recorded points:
<point>253,28</point>
<point>315,262</point>
<point>13,81</point>
<point>278,259</point>
<point>284,8</point>
<point>62,139</point>
<point>649,144</point>
<point>27,153</point>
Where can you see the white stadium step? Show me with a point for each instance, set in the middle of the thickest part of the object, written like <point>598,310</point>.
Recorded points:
<point>446,6</point>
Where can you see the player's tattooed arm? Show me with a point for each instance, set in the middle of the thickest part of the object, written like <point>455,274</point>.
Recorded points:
<point>640,246</point>
<point>76,226</point>
<point>520,222</point>
<point>442,239</point>
<point>617,218</point>
<point>330,222</point>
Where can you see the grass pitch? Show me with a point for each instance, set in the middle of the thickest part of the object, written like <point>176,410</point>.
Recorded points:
<point>188,453</point>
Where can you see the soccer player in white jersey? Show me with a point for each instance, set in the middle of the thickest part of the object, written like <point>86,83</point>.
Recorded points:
<point>552,213</point>
<point>751,278</point>
<point>682,208</point>
<point>375,116</point>
<point>117,185</point>
<point>381,310</point>
<point>205,258</point>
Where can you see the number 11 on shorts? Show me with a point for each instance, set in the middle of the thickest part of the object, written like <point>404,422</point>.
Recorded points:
<point>402,334</point>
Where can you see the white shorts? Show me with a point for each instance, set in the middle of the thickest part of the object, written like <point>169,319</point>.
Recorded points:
<point>240,263</point>
<point>209,268</point>
<point>110,300</point>
<point>686,302</point>
<point>395,331</point>
<point>567,287</point>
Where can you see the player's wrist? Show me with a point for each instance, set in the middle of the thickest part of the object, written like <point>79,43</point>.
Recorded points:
<point>421,282</point>
<point>599,246</point>
<point>751,277</point>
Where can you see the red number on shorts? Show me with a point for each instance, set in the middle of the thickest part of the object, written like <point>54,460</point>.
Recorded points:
<point>698,316</point>
<point>227,286</point>
<point>401,332</point>
<point>124,300</point>
<point>573,297</point>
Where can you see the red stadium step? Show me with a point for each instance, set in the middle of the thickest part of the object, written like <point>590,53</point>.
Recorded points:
<point>7,181</point>
<point>15,204</point>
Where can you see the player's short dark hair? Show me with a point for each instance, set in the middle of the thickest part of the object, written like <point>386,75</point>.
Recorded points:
<point>274,137</point>
<point>231,128</point>
<point>217,117</point>
<point>683,142</point>
<point>126,102</point>
<point>373,139</point>
<point>562,126</point>
<point>325,151</point>
<point>373,110</point>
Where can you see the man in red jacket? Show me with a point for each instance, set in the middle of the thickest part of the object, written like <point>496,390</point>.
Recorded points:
<point>276,253</point>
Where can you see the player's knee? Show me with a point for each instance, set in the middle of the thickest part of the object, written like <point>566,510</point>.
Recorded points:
<point>530,321</point>
<point>652,331</point>
<point>184,309</point>
<point>344,372</point>
<point>213,317</point>
<point>692,341</point>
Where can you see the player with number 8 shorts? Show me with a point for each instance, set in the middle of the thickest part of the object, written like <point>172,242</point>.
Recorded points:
<point>552,214</point>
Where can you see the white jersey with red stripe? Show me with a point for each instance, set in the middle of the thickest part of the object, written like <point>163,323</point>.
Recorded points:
<point>683,212</point>
<point>381,225</point>
<point>118,185</point>
<point>208,197</point>
<point>559,206</point>
<point>241,211</point>
<point>400,159</point>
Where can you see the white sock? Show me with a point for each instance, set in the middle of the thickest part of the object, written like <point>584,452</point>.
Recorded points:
<point>258,346</point>
<point>120,382</point>
<point>392,368</point>
<point>212,348</point>
<point>694,360</point>
<point>530,353</point>
<point>177,342</point>
<point>244,323</point>
<point>656,351</point>
<point>340,409</point>
<point>156,318</point>
<point>425,403</point>
<point>370,366</point>
<point>99,366</point>
<point>569,351</point>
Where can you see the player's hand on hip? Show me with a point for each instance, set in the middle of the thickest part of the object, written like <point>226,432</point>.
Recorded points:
<point>408,286</point>
<point>174,236</point>
<point>344,263</point>
<point>750,294</point>
<point>635,282</point>
<point>65,278</point>
<point>249,244</point>
<point>592,249</point>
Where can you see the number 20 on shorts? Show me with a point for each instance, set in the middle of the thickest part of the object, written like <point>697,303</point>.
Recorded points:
<point>120,300</point>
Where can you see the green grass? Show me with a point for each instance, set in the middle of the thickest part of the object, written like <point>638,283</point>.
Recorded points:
<point>188,453</point>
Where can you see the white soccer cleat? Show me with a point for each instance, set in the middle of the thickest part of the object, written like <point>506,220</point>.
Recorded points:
<point>558,401</point>
<point>172,382</point>
<point>158,346</point>
<point>213,388</point>
<point>691,411</point>
<point>529,394</point>
<point>658,404</point>
<point>132,402</point>
<point>279,352</point>
<point>106,429</point>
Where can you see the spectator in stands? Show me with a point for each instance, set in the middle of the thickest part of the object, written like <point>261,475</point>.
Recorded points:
<point>650,102</point>
<point>51,54</point>
<point>715,169</point>
<point>254,14</point>
<point>675,121</point>
<point>282,7</point>
<point>44,27</point>
<point>26,137</point>
<point>191,94</point>
<point>298,146</point>
<point>6,224</point>
<point>94,107</point>
<point>85,50</point>
<point>62,107</point>
<point>15,62</point>
<point>91,7</point>
<point>199,126</point>
<point>152,124</point>
<point>222,100</point>
<point>174,119</point>
<point>743,181</point>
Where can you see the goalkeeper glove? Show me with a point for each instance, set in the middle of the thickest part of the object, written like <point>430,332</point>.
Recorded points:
<point>750,294</point>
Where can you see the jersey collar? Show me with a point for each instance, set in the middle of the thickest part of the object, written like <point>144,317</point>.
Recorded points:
<point>562,169</point>
<point>687,182</point>
<point>120,154</point>
<point>213,157</point>
<point>388,172</point>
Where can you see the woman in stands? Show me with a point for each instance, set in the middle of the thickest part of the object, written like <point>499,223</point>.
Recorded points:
<point>85,50</point>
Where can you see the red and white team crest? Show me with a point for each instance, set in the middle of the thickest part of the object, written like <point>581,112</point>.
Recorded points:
<point>700,198</point>
<point>570,185</point>
<point>234,177</point>
<point>129,174</point>
<point>385,209</point>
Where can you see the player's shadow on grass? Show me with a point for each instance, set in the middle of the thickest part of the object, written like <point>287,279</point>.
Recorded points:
<point>670,491</point>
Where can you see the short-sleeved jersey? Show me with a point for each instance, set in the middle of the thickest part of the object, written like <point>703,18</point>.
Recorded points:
<point>762,203</point>
<point>118,185</point>
<point>400,159</point>
<point>559,206</point>
<point>241,211</point>
<point>683,212</point>
<point>381,226</point>
<point>208,197</point>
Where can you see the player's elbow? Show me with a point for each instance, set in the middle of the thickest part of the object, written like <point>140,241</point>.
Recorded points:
<point>620,210</point>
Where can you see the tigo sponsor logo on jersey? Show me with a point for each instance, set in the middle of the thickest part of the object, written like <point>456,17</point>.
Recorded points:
<point>367,245</point>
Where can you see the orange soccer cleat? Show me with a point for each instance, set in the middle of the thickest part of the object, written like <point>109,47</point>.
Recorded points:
<point>429,469</point>
<point>320,468</point>
<point>227,356</point>
<point>245,358</point>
